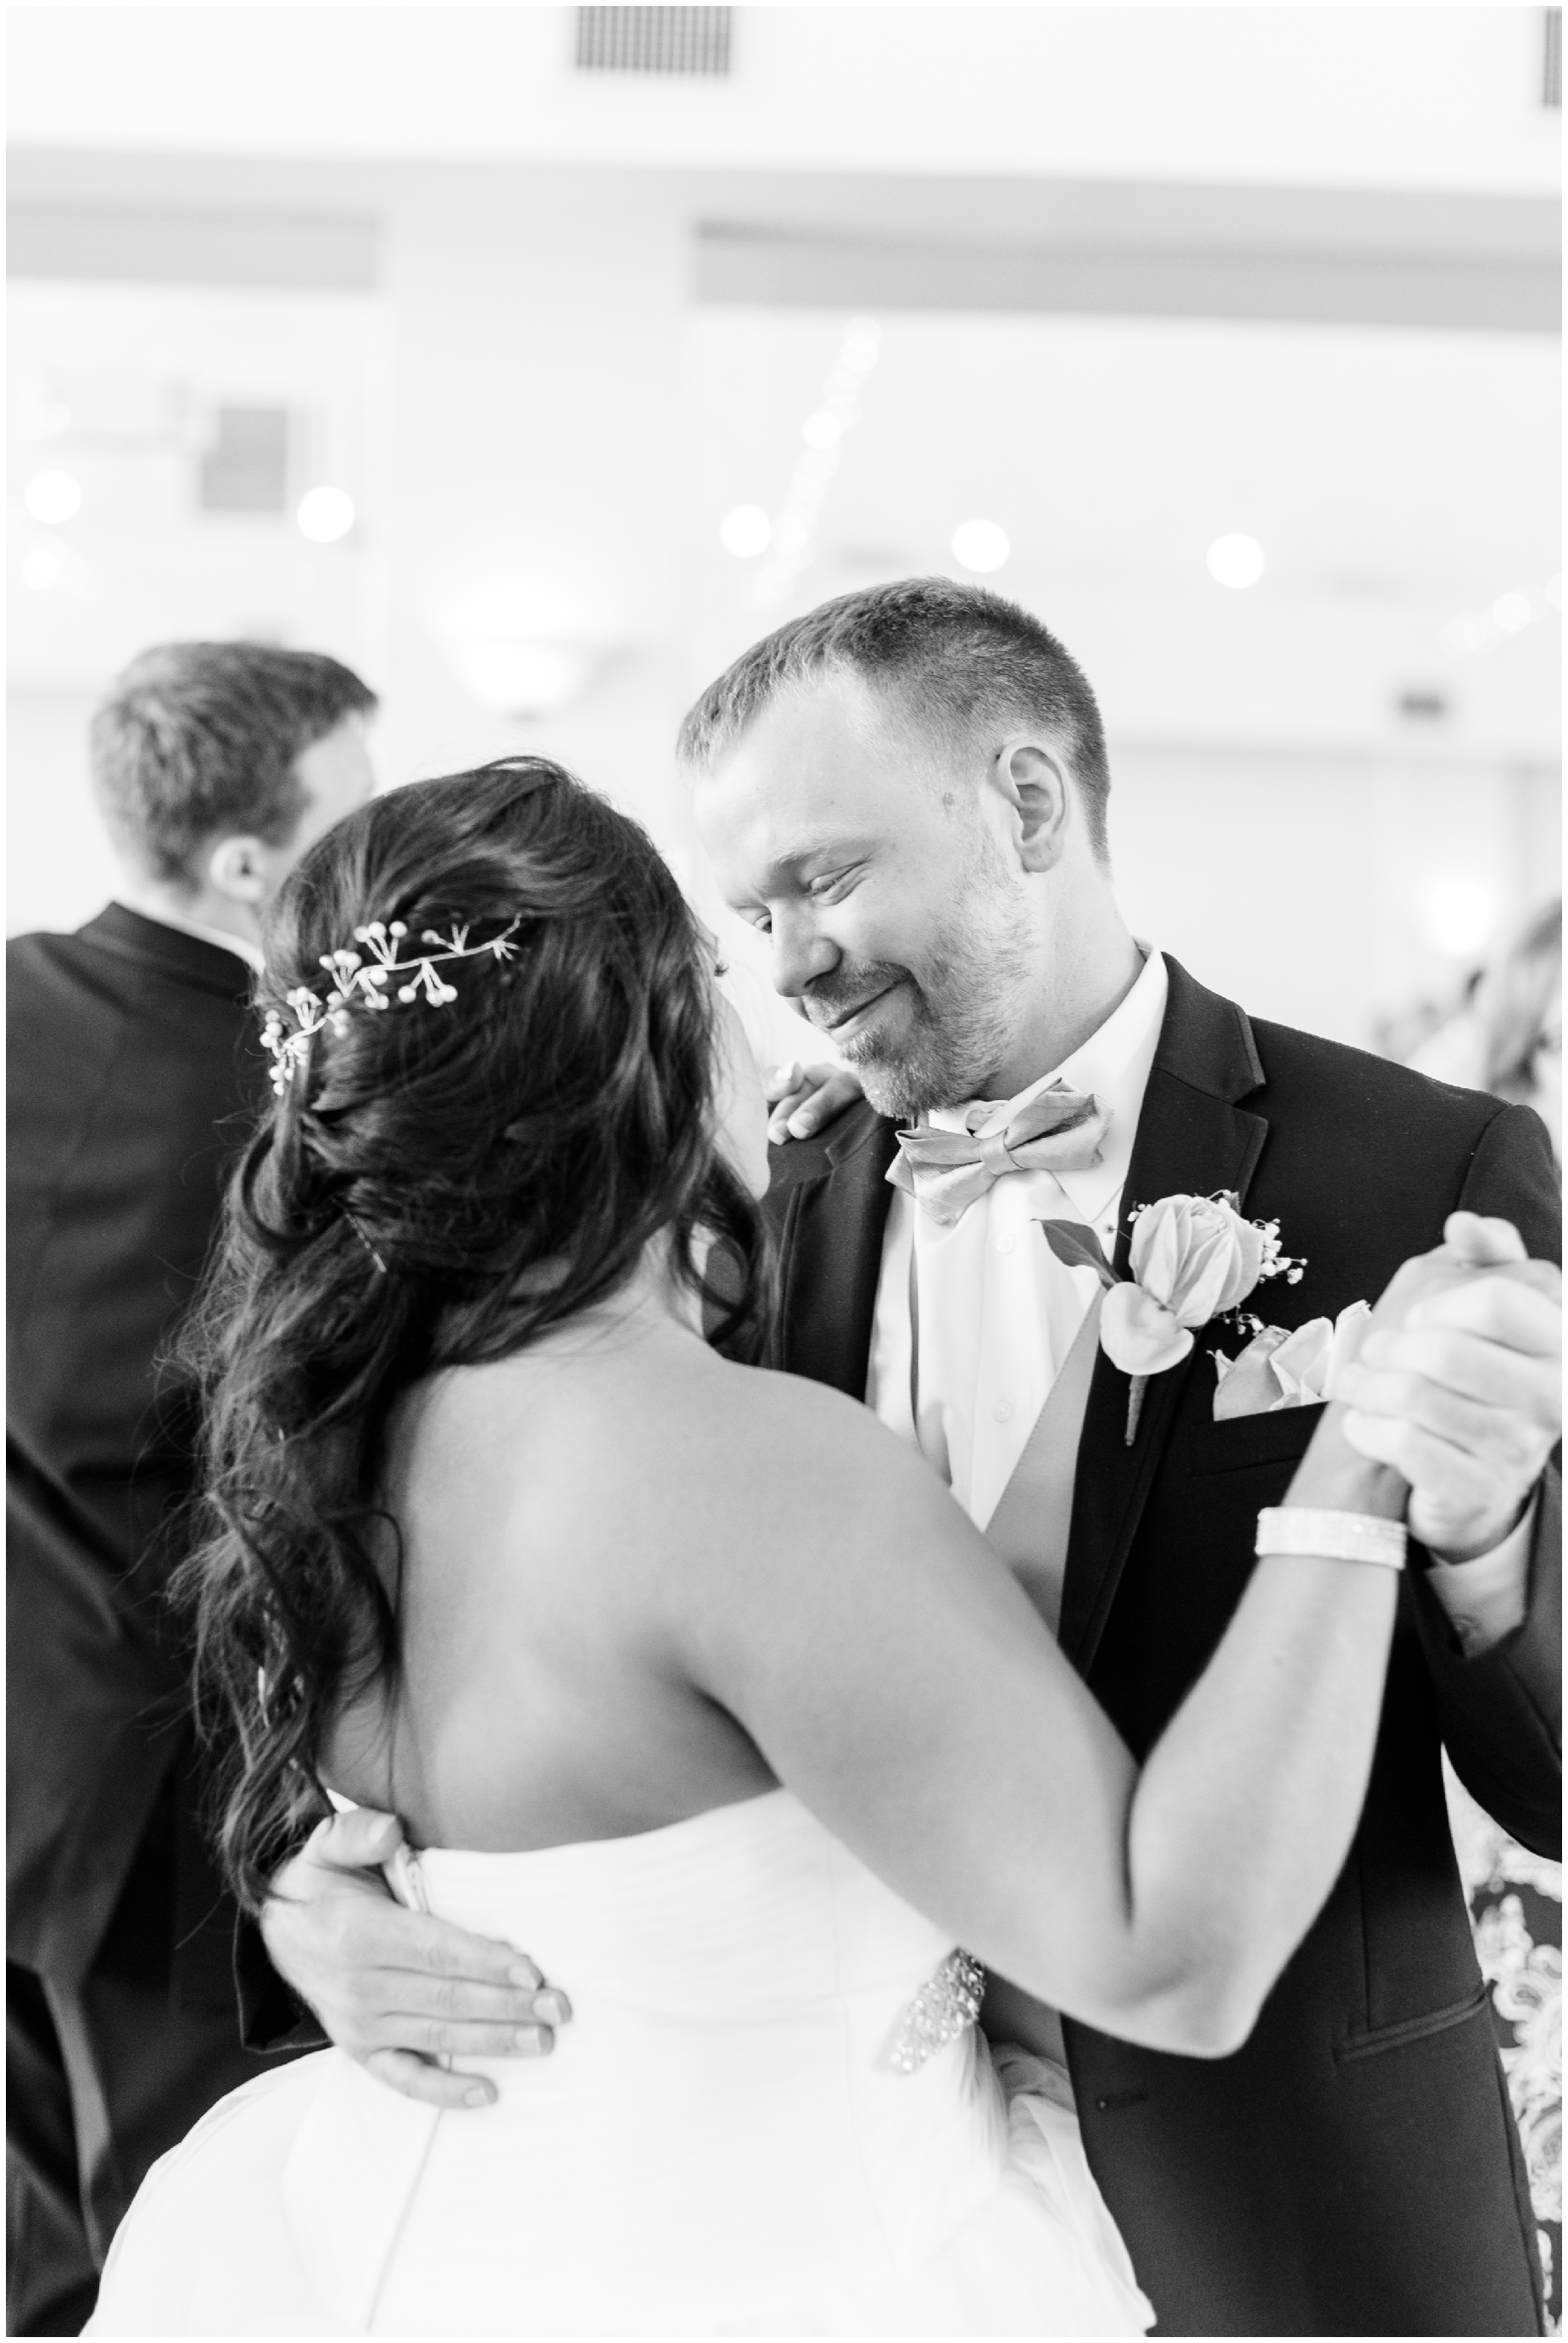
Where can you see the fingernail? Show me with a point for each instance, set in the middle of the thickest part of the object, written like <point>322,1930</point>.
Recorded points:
<point>552,2007</point>
<point>524,1973</point>
<point>479,2096</point>
<point>800,1125</point>
<point>529,2040</point>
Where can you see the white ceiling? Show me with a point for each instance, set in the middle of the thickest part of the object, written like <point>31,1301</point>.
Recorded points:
<point>1372,96</point>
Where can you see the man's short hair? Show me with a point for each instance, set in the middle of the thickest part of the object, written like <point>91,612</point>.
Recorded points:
<point>197,741</point>
<point>964,660</point>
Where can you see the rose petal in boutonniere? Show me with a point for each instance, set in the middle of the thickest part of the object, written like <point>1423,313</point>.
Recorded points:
<point>1191,1258</point>
<point>1139,1333</point>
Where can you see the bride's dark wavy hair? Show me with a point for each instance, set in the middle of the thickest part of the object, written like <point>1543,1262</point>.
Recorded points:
<point>435,1187</point>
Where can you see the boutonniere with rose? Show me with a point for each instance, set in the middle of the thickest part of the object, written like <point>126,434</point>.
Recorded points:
<point>1192,1260</point>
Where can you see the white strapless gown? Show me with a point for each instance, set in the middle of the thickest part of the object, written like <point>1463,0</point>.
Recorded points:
<point>722,2143</point>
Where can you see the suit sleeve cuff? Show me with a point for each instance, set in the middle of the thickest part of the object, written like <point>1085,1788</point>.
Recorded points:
<point>1486,1598</point>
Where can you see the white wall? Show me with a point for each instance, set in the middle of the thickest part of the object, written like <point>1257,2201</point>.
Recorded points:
<point>535,480</point>
<point>1328,892</point>
<point>58,866</point>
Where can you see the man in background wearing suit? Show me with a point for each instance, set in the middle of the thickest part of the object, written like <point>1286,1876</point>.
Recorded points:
<point>133,1073</point>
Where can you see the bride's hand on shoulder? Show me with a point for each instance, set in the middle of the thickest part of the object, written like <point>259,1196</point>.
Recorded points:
<point>399,1990</point>
<point>803,1100</point>
<point>1458,1385</point>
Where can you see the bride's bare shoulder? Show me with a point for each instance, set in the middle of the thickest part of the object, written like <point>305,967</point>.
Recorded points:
<point>653,1429</point>
<point>775,1401</point>
<point>781,1425</point>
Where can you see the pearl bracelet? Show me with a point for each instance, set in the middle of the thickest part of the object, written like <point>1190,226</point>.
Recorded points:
<point>1338,1537</point>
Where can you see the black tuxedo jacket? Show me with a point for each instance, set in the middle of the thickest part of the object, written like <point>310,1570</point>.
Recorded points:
<point>133,1078</point>
<point>1354,2169</point>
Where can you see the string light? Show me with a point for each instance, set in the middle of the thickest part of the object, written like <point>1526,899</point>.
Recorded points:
<point>792,548</point>
<point>1509,614</point>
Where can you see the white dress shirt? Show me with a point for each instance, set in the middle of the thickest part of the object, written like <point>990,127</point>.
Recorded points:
<point>997,1311</point>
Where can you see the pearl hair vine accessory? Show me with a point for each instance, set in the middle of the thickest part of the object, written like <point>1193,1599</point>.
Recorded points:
<point>364,978</point>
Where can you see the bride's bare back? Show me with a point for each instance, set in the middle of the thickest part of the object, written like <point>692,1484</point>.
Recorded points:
<point>562,1513</point>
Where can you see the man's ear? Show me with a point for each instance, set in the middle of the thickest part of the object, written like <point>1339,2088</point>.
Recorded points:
<point>238,868</point>
<point>1035,786</point>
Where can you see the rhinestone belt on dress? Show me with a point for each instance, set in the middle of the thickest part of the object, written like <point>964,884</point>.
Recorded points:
<point>940,2011</point>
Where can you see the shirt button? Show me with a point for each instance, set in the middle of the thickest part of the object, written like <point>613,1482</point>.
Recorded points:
<point>1004,1244</point>
<point>1001,1409</point>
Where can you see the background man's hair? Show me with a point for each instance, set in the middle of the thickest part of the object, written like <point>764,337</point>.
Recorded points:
<point>964,660</point>
<point>197,741</point>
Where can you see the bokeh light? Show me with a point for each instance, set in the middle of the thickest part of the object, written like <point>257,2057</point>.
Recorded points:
<point>53,497</point>
<point>325,515</point>
<point>43,565</point>
<point>745,531</point>
<point>1236,560</point>
<point>980,546</point>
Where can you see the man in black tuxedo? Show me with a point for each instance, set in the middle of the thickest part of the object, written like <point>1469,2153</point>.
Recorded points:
<point>133,1073</point>
<point>906,790</point>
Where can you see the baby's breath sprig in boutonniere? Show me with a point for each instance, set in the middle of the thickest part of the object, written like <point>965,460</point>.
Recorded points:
<point>1192,1259</point>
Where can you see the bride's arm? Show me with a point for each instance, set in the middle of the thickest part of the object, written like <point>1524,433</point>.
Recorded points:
<point>897,1679</point>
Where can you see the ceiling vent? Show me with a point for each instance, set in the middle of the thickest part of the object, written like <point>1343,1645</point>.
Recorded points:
<point>1551,59</point>
<point>653,40</point>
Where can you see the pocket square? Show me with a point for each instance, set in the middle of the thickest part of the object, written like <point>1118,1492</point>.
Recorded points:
<point>1280,1368</point>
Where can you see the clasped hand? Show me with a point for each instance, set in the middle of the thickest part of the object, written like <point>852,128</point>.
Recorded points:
<point>1462,1392</point>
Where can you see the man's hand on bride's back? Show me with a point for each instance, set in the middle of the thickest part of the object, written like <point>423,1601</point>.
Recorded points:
<point>399,1990</point>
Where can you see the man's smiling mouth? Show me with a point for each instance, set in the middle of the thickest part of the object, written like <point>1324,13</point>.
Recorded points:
<point>840,1024</point>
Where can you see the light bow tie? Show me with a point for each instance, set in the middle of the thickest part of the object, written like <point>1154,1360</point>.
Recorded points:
<point>948,1170</point>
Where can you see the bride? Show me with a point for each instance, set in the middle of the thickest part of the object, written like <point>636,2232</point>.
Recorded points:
<point>688,1675</point>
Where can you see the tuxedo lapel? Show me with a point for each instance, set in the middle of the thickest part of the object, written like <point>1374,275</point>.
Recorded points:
<point>1192,1139</point>
<point>831,1255</point>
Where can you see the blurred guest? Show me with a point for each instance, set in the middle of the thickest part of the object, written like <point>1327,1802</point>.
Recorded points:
<point>1519,1007</point>
<point>1507,1036</point>
<point>134,1074</point>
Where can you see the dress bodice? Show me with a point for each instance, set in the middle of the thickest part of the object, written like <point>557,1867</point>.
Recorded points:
<point>731,2135</point>
<point>741,1915</point>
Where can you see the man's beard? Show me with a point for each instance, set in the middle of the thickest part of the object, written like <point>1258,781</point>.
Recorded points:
<point>959,1010</point>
